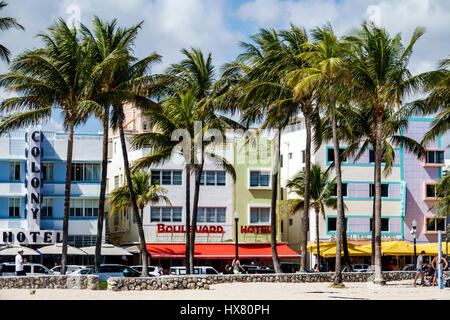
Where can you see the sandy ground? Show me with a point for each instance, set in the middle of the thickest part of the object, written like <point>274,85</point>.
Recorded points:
<point>399,290</point>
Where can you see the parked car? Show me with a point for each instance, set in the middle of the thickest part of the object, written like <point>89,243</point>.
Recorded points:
<point>152,270</point>
<point>108,270</point>
<point>409,267</point>
<point>252,269</point>
<point>31,269</point>
<point>70,268</point>
<point>287,267</point>
<point>359,267</point>
<point>177,271</point>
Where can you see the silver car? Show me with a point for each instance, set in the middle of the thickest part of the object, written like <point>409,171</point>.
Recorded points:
<point>31,269</point>
<point>108,270</point>
<point>70,268</point>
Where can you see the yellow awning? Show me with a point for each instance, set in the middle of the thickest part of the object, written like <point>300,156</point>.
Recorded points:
<point>328,250</point>
<point>431,249</point>
<point>392,248</point>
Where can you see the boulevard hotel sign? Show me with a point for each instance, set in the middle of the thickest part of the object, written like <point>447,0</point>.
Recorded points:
<point>33,182</point>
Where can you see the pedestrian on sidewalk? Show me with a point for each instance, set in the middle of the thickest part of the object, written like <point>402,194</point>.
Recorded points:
<point>420,269</point>
<point>236,265</point>
<point>20,260</point>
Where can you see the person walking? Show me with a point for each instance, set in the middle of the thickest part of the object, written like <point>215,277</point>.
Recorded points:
<point>434,266</point>
<point>236,265</point>
<point>20,260</point>
<point>419,269</point>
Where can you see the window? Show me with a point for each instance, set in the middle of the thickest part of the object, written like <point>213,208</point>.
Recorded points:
<point>332,223</point>
<point>384,225</point>
<point>47,171</point>
<point>372,157</point>
<point>14,207</point>
<point>430,190</point>
<point>344,190</point>
<point>434,224</point>
<point>89,172</point>
<point>116,182</point>
<point>259,215</point>
<point>212,178</point>
<point>47,207</point>
<point>165,214</point>
<point>259,178</point>
<point>14,171</point>
<point>166,177</point>
<point>211,215</point>
<point>384,190</point>
<point>435,157</point>
<point>83,208</point>
<point>290,221</point>
<point>330,155</point>
<point>303,156</point>
<point>81,240</point>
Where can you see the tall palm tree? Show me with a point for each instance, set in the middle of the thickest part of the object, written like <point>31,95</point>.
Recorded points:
<point>146,192</point>
<point>108,47</point>
<point>194,117</point>
<point>438,83</point>
<point>327,70</point>
<point>443,195</point>
<point>52,77</point>
<point>7,23</point>
<point>321,197</point>
<point>378,67</point>
<point>260,78</point>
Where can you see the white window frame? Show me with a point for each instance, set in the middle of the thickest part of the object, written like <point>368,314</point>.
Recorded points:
<point>253,206</point>
<point>215,212</point>
<point>268,187</point>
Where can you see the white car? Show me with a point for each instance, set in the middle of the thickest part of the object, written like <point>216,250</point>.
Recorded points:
<point>31,269</point>
<point>108,270</point>
<point>70,268</point>
<point>152,270</point>
<point>177,271</point>
<point>360,267</point>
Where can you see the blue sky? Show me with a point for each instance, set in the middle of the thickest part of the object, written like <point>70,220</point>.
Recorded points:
<point>218,26</point>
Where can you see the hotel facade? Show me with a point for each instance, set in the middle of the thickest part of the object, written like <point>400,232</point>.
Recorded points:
<point>407,191</point>
<point>32,183</point>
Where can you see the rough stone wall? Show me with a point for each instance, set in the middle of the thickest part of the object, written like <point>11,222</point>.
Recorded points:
<point>50,282</point>
<point>204,282</point>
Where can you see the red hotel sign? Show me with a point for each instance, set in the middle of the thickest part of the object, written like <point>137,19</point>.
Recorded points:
<point>162,228</point>
<point>255,229</point>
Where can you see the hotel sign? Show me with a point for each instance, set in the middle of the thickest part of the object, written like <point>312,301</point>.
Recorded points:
<point>33,233</point>
<point>162,228</point>
<point>366,237</point>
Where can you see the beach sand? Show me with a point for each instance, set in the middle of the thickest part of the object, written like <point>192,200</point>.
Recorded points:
<point>398,290</point>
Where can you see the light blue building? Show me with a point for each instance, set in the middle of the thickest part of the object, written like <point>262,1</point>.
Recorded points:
<point>22,215</point>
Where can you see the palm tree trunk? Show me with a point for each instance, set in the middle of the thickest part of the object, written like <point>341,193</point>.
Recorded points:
<point>101,203</point>
<point>345,248</point>
<point>67,197</point>
<point>306,197</point>
<point>378,155</point>
<point>373,224</point>
<point>273,208</point>
<point>340,203</point>
<point>188,218</point>
<point>317,237</point>
<point>126,166</point>
<point>198,175</point>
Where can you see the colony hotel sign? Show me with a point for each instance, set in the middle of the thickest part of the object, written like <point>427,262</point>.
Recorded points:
<point>33,234</point>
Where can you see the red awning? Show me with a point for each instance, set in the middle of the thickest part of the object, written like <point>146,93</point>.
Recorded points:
<point>220,251</point>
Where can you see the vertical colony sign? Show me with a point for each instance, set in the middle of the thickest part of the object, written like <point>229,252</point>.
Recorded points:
<point>33,234</point>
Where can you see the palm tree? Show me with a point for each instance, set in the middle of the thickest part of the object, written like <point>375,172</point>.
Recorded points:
<point>378,68</point>
<point>146,192</point>
<point>184,112</point>
<point>438,82</point>
<point>108,47</point>
<point>443,195</point>
<point>327,70</point>
<point>260,81</point>
<point>52,77</point>
<point>321,196</point>
<point>7,23</point>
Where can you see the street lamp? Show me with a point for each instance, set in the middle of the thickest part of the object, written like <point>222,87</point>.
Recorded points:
<point>414,233</point>
<point>236,219</point>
